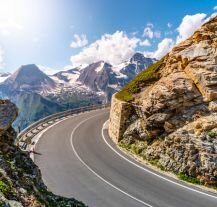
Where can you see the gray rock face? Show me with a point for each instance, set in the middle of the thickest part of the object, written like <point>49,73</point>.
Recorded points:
<point>176,113</point>
<point>61,75</point>
<point>137,64</point>
<point>97,76</point>
<point>21,181</point>
<point>101,76</point>
<point>192,150</point>
<point>8,113</point>
<point>27,78</point>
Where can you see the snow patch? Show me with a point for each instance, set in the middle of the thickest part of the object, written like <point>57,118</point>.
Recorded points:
<point>2,79</point>
<point>98,69</point>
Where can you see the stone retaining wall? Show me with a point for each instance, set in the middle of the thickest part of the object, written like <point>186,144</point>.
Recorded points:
<point>120,113</point>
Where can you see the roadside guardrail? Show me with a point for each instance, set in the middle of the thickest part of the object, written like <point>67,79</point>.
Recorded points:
<point>24,138</point>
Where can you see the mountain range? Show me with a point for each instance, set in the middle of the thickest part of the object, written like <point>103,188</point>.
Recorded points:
<point>38,94</point>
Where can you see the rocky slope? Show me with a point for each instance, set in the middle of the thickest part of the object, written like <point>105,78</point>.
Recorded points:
<point>167,114</point>
<point>20,179</point>
<point>4,76</point>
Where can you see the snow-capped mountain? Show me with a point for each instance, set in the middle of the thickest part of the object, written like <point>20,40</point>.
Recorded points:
<point>136,64</point>
<point>4,76</point>
<point>80,86</point>
<point>100,78</point>
<point>28,78</point>
<point>69,76</point>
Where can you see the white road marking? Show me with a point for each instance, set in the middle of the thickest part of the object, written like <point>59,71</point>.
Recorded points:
<point>149,171</point>
<point>37,137</point>
<point>89,168</point>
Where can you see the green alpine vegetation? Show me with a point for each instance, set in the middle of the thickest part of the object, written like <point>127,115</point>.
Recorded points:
<point>146,77</point>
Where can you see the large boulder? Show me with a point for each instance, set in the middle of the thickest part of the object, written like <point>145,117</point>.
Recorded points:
<point>8,113</point>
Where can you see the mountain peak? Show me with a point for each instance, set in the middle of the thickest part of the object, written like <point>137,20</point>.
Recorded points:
<point>29,68</point>
<point>28,77</point>
<point>139,57</point>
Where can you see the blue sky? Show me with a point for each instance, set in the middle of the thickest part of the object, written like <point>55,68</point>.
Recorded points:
<point>56,33</point>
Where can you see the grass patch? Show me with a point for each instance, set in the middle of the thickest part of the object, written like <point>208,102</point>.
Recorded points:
<point>4,188</point>
<point>190,179</point>
<point>156,163</point>
<point>137,148</point>
<point>146,77</point>
<point>2,204</point>
<point>212,134</point>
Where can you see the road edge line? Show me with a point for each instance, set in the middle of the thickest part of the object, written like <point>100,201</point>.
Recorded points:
<point>149,171</point>
<point>97,175</point>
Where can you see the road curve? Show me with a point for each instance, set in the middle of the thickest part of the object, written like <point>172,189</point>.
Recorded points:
<point>76,162</point>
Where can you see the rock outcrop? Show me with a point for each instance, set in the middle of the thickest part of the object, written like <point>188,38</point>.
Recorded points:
<point>21,184</point>
<point>173,107</point>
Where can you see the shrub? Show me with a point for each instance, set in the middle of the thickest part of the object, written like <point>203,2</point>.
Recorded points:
<point>212,134</point>
<point>188,178</point>
<point>4,188</point>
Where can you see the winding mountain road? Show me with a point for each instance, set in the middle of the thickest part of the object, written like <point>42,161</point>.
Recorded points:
<point>77,161</point>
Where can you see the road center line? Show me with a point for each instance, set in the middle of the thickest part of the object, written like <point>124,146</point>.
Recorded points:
<point>95,173</point>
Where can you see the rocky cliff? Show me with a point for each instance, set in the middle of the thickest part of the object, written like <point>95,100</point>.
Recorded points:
<point>167,114</point>
<point>20,179</point>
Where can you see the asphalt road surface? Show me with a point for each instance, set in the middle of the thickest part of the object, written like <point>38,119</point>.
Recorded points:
<point>77,162</point>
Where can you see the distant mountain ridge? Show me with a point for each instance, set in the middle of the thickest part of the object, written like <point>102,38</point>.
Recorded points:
<point>38,94</point>
<point>27,78</point>
<point>99,77</point>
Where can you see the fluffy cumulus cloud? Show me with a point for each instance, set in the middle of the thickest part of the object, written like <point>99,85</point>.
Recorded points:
<point>145,43</point>
<point>150,32</point>
<point>189,24</point>
<point>112,48</point>
<point>79,41</point>
<point>163,48</point>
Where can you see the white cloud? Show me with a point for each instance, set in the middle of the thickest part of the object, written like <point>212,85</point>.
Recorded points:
<point>79,41</point>
<point>188,25</point>
<point>215,8</point>
<point>157,34</point>
<point>211,16</point>
<point>150,33</point>
<point>112,48</point>
<point>134,33</point>
<point>145,43</point>
<point>169,25</point>
<point>163,48</point>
